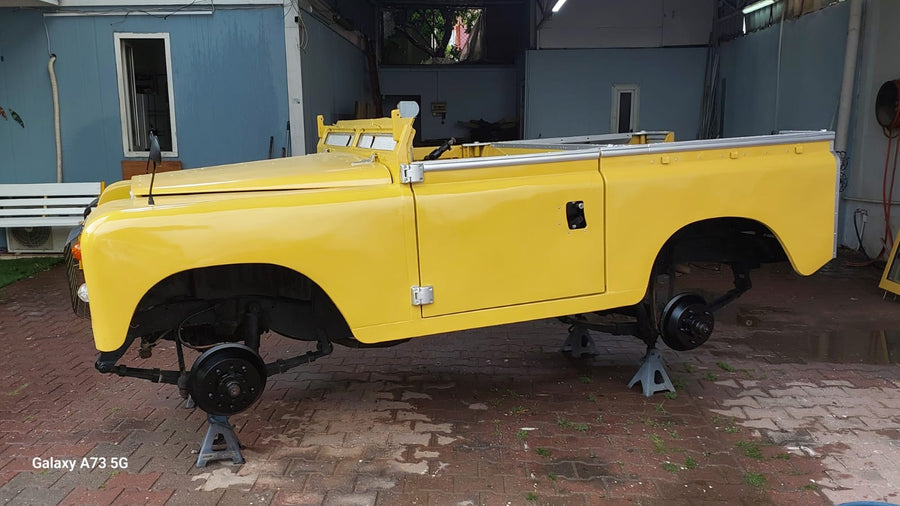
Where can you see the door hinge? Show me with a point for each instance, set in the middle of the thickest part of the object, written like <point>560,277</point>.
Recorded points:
<point>412,173</point>
<point>422,295</point>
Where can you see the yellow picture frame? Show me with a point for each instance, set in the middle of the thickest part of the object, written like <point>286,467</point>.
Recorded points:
<point>890,279</point>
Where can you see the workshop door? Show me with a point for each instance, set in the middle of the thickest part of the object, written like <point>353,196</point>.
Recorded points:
<point>491,237</point>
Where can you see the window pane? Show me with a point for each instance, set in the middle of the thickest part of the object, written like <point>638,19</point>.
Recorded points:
<point>624,112</point>
<point>338,139</point>
<point>148,82</point>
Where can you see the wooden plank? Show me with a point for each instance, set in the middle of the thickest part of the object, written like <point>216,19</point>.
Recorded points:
<point>50,189</point>
<point>48,201</point>
<point>44,211</point>
<point>131,168</point>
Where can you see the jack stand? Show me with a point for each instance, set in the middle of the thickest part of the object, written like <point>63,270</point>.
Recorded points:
<point>219,428</point>
<point>651,369</point>
<point>579,342</point>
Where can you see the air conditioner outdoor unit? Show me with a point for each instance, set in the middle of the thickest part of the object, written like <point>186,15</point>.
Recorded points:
<point>36,239</point>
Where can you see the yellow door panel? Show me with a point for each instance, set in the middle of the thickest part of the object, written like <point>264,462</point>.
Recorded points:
<point>499,236</point>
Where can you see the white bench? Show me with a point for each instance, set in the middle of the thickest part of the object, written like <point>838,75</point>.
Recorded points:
<point>37,217</point>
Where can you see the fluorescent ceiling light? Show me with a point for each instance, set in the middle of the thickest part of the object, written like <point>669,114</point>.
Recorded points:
<point>559,4</point>
<point>757,6</point>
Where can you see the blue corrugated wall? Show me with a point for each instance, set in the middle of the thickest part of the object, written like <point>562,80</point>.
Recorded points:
<point>228,75</point>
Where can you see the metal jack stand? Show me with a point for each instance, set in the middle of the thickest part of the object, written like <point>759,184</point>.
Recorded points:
<point>652,374</point>
<point>219,428</point>
<point>579,342</point>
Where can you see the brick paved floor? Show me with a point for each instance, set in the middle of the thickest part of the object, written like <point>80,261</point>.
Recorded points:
<point>794,401</point>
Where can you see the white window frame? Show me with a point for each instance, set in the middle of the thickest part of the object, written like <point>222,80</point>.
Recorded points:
<point>125,110</point>
<point>617,90</point>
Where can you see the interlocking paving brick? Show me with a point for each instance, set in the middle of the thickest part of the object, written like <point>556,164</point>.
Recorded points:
<point>394,426</point>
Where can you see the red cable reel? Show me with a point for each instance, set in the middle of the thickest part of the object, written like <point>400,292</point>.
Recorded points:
<point>887,113</point>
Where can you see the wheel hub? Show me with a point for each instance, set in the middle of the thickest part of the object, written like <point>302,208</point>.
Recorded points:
<point>686,322</point>
<point>227,379</point>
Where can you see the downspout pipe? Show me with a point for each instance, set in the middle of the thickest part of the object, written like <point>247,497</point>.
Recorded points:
<point>55,91</point>
<point>843,119</point>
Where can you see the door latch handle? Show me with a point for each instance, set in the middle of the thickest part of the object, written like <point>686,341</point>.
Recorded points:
<point>575,215</point>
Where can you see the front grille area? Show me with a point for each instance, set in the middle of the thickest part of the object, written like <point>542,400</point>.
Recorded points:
<point>76,278</point>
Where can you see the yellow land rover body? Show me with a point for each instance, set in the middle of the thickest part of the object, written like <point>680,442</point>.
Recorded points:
<point>367,242</point>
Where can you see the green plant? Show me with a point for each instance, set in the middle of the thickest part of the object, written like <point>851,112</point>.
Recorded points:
<point>531,496</point>
<point>18,390</point>
<point>710,376</point>
<point>12,114</point>
<point>671,395</point>
<point>585,379</point>
<point>750,449</point>
<point>670,467</point>
<point>783,456</point>
<point>581,427</point>
<point>757,480</point>
<point>725,366</point>
<point>522,435</point>
<point>562,422</point>
<point>688,368</point>
<point>659,446</point>
<point>592,397</point>
<point>552,476</point>
<point>690,463</point>
<point>810,486</point>
<point>518,410</point>
<point>543,452</point>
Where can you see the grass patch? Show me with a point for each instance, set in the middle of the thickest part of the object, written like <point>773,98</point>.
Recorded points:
<point>671,395</point>
<point>18,390</point>
<point>659,446</point>
<point>518,410</point>
<point>783,456</point>
<point>710,376</point>
<point>522,435</point>
<point>581,427</point>
<point>670,467</point>
<point>20,268</point>
<point>566,424</point>
<point>757,480</point>
<point>690,463</point>
<point>725,366</point>
<point>750,449</point>
<point>810,486</point>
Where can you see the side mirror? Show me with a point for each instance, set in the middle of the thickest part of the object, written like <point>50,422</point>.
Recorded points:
<point>155,151</point>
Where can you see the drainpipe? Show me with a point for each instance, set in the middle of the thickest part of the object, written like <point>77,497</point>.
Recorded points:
<point>55,91</point>
<point>843,120</point>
